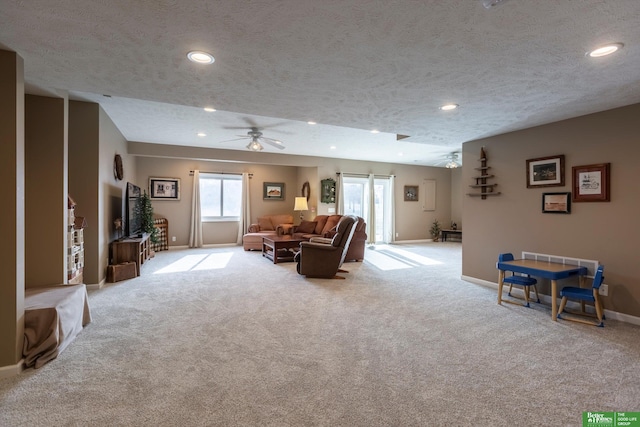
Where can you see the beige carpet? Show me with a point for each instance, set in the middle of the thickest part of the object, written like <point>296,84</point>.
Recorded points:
<point>222,337</point>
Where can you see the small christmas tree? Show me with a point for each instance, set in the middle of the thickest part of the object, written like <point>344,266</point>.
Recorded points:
<point>435,230</point>
<point>145,213</point>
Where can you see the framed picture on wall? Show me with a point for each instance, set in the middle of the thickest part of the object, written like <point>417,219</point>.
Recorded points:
<point>164,188</point>
<point>556,203</point>
<point>273,191</point>
<point>410,193</point>
<point>545,172</point>
<point>591,183</point>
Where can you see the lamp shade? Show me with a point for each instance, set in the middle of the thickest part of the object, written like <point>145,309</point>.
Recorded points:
<point>301,204</point>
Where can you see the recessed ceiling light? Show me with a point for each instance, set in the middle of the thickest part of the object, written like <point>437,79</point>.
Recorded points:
<point>333,147</point>
<point>375,131</point>
<point>401,154</point>
<point>202,134</point>
<point>605,50</point>
<point>209,109</point>
<point>200,57</point>
<point>449,107</point>
<point>311,122</point>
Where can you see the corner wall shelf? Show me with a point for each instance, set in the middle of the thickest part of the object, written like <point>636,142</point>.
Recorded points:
<point>481,180</point>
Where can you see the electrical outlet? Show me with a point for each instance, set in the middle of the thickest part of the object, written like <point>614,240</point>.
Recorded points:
<point>397,234</point>
<point>173,239</point>
<point>604,290</point>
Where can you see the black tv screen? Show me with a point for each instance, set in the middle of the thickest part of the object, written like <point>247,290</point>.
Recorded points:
<point>133,222</point>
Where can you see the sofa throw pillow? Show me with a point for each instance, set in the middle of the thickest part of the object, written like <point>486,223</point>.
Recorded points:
<point>306,227</point>
<point>265,223</point>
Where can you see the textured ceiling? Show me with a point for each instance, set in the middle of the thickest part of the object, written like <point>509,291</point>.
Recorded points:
<point>351,66</point>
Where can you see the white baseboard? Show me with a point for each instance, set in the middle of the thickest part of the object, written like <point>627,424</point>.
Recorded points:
<point>12,370</point>
<point>401,242</point>
<point>208,245</point>
<point>614,315</point>
<point>96,286</point>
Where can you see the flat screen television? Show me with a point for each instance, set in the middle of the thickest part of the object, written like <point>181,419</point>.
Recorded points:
<point>133,221</point>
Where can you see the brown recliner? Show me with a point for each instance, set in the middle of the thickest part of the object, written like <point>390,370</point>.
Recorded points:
<point>324,260</point>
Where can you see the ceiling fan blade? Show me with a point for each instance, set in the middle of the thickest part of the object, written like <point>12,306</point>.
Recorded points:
<point>274,125</point>
<point>273,142</point>
<point>235,139</point>
<point>251,123</point>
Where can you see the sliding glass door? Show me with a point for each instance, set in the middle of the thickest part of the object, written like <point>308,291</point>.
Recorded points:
<point>357,199</point>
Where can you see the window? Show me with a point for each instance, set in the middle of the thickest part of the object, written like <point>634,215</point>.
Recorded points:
<point>220,197</point>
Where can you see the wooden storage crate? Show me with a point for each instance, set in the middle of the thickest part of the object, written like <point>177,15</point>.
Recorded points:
<point>124,271</point>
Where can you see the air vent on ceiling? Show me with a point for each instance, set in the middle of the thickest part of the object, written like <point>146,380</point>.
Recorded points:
<point>488,4</point>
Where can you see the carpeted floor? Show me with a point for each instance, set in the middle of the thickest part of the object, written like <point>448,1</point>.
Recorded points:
<point>223,337</point>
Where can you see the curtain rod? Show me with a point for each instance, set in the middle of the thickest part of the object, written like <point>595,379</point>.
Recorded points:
<point>364,174</point>
<point>222,173</point>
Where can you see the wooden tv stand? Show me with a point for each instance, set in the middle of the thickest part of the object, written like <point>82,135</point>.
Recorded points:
<point>136,249</point>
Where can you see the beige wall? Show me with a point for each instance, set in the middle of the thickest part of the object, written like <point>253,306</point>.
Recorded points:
<point>513,222</point>
<point>12,263</point>
<point>310,175</point>
<point>45,191</point>
<point>178,212</point>
<point>412,223</point>
<point>457,196</point>
<point>111,191</point>
<point>83,178</point>
<point>93,142</point>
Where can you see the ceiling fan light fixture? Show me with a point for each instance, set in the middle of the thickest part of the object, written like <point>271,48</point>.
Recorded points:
<point>200,57</point>
<point>255,146</point>
<point>451,165</point>
<point>605,50</point>
<point>453,161</point>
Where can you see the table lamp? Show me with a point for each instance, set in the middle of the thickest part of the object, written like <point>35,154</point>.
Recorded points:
<point>301,205</point>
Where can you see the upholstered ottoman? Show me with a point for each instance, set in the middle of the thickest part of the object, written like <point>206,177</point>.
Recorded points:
<point>253,241</point>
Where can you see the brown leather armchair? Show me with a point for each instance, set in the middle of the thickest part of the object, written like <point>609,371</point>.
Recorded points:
<point>356,247</point>
<point>323,260</point>
<point>355,252</point>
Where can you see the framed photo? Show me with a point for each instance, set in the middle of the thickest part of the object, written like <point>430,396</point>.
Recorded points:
<point>545,172</point>
<point>591,183</point>
<point>556,203</point>
<point>164,188</point>
<point>410,193</point>
<point>273,191</point>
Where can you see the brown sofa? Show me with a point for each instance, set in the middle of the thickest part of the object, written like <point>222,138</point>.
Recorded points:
<point>325,227</point>
<point>268,225</point>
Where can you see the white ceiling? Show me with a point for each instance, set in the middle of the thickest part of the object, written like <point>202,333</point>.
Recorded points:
<point>351,66</point>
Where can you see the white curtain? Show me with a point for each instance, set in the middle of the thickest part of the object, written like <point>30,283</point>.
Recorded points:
<point>195,235</point>
<point>245,209</point>
<point>392,209</point>
<point>371,214</point>
<point>339,198</point>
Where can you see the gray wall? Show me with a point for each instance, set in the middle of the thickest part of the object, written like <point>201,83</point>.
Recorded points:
<point>513,222</point>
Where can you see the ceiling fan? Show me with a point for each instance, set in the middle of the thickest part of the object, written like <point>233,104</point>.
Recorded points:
<point>452,161</point>
<point>255,137</point>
